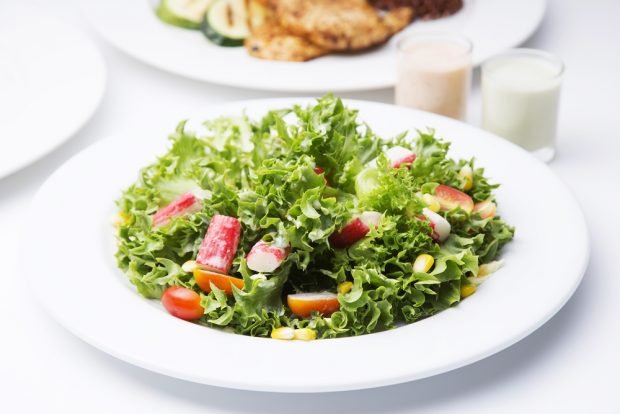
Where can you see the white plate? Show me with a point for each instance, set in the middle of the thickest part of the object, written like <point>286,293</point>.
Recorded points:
<point>51,81</point>
<point>78,282</point>
<point>131,25</point>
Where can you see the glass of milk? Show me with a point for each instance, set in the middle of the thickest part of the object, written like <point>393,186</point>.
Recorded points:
<point>520,97</point>
<point>434,73</point>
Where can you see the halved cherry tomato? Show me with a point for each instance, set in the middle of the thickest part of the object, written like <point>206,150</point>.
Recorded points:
<point>303,304</point>
<point>182,303</point>
<point>450,198</point>
<point>204,278</point>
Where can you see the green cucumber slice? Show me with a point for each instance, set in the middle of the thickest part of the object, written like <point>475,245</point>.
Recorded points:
<point>187,14</point>
<point>226,23</point>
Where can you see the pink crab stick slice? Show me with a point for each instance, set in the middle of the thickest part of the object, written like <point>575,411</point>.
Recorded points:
<point>441,227</point>
<point>218,248</point>
<point>186,203</point>
<point>265,257</point>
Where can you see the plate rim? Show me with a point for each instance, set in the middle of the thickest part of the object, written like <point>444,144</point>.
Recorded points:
<point>98,93</point>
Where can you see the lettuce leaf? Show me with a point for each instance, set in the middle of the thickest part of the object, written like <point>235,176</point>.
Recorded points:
<point>263,173</point>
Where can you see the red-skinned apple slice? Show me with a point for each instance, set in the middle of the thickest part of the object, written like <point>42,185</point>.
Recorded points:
<point>353,231</point>
<point>486,209</point>
<point>450,198</point>
<point>399,156</point>
<point>371,218</point>
<point>319,170</point>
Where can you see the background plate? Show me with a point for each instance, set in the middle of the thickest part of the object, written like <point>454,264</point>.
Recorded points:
<point>85,292</point>
<point>51,81</point>
<point>131,25</point>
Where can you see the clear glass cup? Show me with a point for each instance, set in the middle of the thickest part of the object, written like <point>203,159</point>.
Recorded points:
<point>434,73</point>
<point>520,99</point>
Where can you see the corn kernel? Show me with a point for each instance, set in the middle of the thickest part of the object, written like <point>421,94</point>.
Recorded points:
<point>345,287</point>
<point>423,263</point>
<point>284,332</point>
<point>305,334</point>
<point>467,290</point>
<point>467,177</point>
<point>121,219</point>
<point>431,202</point>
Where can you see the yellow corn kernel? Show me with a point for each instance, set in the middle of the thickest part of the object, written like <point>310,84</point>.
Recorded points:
<point>431,202</point>
<point>467,177</point>
<point>284,332</point>
<point>305,334</point>
<point>423,263</point>
<point>467,290</point>
<point>121,219</point>
<point>345,287</point>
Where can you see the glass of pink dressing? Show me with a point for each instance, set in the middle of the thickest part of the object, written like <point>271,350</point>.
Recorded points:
<point>434,73</point>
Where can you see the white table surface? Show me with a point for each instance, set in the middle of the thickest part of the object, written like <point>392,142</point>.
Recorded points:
<point>567,366</point>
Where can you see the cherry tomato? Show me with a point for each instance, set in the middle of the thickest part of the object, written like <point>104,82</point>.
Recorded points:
<point>303,304</point>
<point>182,303</point>
<point>204,278</point>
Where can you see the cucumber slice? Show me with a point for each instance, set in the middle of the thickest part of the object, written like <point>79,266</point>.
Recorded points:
<point>226,23</point>
<point>187,14</point>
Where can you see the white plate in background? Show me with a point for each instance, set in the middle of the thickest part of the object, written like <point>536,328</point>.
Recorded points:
<point>80,285</point>
<point>52,79</point>
<point>132,26</point>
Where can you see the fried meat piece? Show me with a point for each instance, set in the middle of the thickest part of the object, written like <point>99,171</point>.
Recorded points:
<point>342,25</point>
<point>269,40</point>
<point>274,43</point>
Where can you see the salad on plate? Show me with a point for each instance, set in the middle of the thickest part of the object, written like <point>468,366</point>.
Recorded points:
<point>305,224</point>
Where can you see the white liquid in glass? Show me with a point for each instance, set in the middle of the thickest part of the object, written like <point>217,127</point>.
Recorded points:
<point>520,96</point>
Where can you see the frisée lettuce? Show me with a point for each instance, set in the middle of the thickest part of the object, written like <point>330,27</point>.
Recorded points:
<point>303,180</point>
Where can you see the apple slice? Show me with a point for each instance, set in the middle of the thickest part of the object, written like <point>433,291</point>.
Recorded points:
<point>371,218</point>
<point>486,209</point>
<point>353,231</point>
<point>441,227</point>
<point>303,304</point>
<point>204,278</point>
<point>450,198</point>
<point>265,257</point>
<point>399,156</point>
<point>320,170</point>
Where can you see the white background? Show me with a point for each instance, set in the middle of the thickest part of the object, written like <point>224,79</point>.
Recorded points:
<point>569,365</point>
